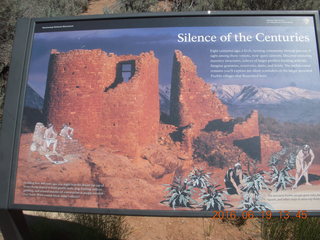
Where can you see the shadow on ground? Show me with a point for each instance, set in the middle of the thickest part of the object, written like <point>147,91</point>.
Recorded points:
<point>52,229</point>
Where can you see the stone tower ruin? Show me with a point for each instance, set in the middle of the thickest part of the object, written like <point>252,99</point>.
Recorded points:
<point>109,100</point>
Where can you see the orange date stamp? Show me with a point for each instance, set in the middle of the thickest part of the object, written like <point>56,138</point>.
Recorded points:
<point>232,215</point>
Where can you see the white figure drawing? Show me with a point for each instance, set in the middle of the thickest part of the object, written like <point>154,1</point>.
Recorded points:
<point>66,131</point>
<point>50,138</point>
<point>302,165</point>
<point>42,139</point>
<point>37,138</point>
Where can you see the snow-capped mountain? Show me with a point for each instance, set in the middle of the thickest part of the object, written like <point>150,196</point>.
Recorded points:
<point>164,92</point>
<point>248,95</point>
<point>290,104</point>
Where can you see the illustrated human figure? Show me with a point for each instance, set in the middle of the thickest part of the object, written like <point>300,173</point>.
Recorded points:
<point>50,138</point>
<point>233,179</point>
<point>304,160</point>
<point>66,131</point>
<point>37,138</point>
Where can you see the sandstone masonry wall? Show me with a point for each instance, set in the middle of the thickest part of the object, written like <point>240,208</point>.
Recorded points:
<point>247,129</point>
<point>81,90</point>
<point>192,100</point>
<point>268,147</point>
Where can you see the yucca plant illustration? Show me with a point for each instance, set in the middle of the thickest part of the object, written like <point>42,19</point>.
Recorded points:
<point>179,194</point>
<point>255,183</point>
<point>213,199</point>
<point>252,202</point>
<point>251,196</point>
<point>281,179</point>
<point>198,178</point>
<point>276,157</point>
<point>291,161</point>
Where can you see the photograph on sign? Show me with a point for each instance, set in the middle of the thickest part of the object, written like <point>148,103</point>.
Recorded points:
<point>192,118</point>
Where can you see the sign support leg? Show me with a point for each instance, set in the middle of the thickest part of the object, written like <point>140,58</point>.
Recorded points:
<point>13,225</point>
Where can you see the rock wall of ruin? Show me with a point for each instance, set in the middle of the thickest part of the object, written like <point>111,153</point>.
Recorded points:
<point>247,129</point>
<point>192,100</point>
<point>268,147</point>
<point>82,90</point>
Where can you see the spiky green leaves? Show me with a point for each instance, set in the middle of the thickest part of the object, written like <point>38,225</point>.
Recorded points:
<point>179,194</point>
<point>253,184</point>
<point>213,199</point>
<point>198,178</point>
<point>281,179</point>
<point>252,202</point>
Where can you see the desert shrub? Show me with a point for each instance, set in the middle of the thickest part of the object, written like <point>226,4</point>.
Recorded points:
<point>207,147</point>
<point>217,159</point>
<point>276,229</point>
<point>238,222</point>
<point>203,146</point>
<point>293,229</point>
<point>109,226</point>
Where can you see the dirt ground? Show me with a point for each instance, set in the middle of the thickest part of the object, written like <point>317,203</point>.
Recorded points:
<point>98,6</point>
<point>191,228</point>
<point>176,228</point>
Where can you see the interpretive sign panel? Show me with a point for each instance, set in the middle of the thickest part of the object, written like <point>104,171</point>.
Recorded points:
<point>177,114</point>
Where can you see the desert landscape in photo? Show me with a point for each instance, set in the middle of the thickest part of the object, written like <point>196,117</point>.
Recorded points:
<point>131,136</point>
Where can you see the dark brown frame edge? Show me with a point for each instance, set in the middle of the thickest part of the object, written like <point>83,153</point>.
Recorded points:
<point>9,141</point>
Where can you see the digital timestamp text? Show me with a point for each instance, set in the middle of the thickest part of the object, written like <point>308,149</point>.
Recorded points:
<point>263,214</point>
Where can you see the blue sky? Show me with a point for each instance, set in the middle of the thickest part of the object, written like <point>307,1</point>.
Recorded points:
<point>163,41</point>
